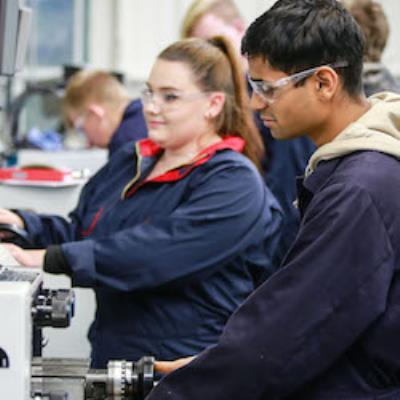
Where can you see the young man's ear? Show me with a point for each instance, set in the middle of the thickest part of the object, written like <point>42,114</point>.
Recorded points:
<point>326,82</point>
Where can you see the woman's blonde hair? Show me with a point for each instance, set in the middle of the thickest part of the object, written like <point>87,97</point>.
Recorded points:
<point>217,68</point>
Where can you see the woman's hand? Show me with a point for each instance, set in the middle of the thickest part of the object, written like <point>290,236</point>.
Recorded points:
<point>27,258</point>
<point>165,367</point>
<point>11,218</point>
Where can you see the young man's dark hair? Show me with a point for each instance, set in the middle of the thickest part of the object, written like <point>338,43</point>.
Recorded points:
<point>301,34</point>
<point>326,325</point>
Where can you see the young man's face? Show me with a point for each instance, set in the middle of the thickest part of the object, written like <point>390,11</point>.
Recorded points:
<point>289,110</point>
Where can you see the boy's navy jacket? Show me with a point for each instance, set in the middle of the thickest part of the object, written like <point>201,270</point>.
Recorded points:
<point>171,258</point>
<point>326,326</point>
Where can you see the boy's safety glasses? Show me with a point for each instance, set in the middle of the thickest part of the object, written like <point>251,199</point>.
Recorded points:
<point>267,90</point>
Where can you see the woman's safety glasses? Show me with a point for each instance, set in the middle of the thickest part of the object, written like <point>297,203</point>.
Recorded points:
<point>168,100</point>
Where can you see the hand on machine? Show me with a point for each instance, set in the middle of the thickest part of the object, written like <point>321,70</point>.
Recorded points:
<point>13,235</point>
<point>165,367</point>
<point>12,228</point>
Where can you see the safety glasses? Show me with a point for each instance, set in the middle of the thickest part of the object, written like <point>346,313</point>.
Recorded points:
<point>268,90</point>
<point>168,100</point>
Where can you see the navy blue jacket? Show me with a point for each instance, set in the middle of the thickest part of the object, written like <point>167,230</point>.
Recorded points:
<point>170,259</point>
<point>327,324</point>
<point>132,127</point>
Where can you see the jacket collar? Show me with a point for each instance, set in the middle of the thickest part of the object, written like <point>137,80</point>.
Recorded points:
<point>148,148</point>
<point>148,152</point>
<point>307,187</point>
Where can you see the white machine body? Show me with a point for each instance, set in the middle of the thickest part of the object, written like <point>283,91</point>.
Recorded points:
<point>17,289</point>
<point>25,308</point>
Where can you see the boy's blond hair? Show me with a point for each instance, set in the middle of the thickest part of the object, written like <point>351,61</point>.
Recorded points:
<point>94,86</point>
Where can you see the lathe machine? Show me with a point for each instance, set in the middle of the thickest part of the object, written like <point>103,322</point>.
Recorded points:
<point>25,308</point>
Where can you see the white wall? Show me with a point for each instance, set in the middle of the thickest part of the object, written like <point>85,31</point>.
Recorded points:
<point>391,56</point>
<point>127,35</point>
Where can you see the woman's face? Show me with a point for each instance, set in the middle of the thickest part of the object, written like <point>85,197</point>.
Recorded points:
<point>175,108</point>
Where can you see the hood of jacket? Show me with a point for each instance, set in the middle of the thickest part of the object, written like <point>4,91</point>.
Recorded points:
<point>378,129</point>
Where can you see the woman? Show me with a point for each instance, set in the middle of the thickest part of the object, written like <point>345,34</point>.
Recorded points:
<point>175,233</point>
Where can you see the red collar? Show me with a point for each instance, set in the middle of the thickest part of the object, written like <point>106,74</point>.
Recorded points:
<point>147,148</point>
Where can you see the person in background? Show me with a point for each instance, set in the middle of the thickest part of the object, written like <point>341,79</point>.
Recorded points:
<point>97,104</point>
<point>206,18</point>
<point>176,231</point>
<point>284,160</point>
<point>372,19</point>
<point>326,325</point>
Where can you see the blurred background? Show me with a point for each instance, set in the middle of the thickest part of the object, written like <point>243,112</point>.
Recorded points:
<point>118,35</point>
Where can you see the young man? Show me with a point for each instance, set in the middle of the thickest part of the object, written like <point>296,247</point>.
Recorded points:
<point>326,326</point>
<point>97,104</point>
<point>284,160</point>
